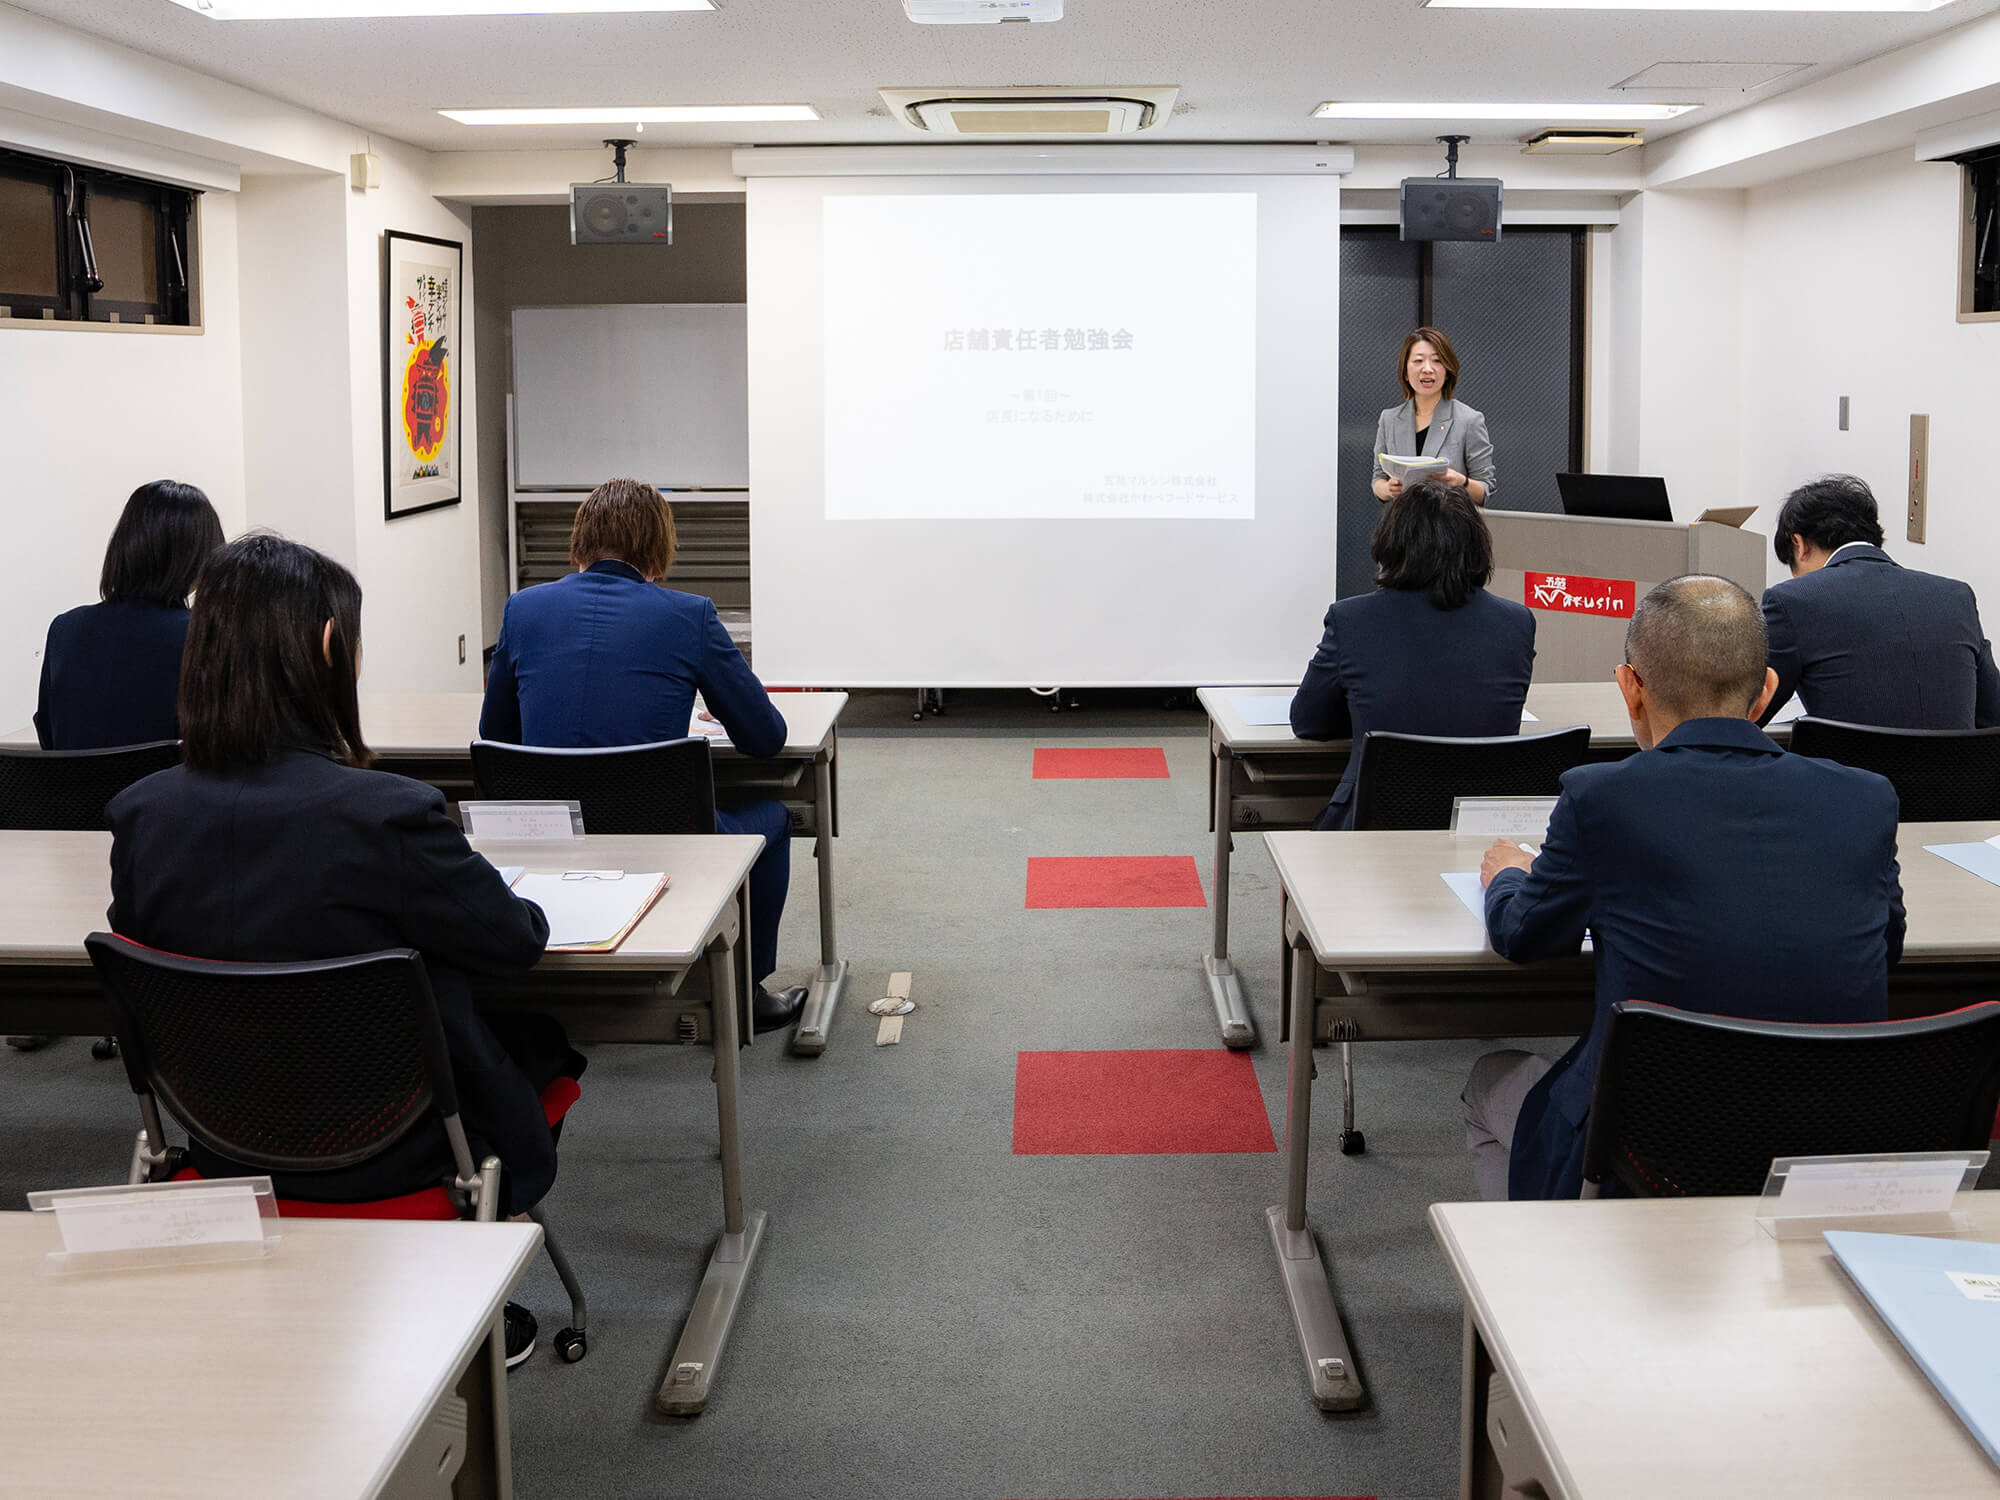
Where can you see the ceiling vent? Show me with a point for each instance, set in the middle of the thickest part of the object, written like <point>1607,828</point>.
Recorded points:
<point>1582,142</point>
<point>989,113</point>
<point>981,12</point>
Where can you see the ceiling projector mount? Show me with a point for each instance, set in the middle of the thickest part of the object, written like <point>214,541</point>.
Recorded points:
<point>618,212</point>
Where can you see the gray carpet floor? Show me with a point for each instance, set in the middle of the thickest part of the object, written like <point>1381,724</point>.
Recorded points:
<point>933,1315</point>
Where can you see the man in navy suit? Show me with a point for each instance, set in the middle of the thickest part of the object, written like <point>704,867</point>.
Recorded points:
<point>1862,639</point>
<point>1714,872</point>
<point>604,656</point>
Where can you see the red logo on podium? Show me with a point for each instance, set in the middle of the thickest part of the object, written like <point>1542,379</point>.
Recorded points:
<point>1572,594</point>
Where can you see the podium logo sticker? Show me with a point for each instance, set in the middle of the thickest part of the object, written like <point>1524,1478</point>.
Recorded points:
<point>1573,594</point>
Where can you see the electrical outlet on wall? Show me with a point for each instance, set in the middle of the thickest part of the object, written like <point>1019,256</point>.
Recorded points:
<point>461,651</point>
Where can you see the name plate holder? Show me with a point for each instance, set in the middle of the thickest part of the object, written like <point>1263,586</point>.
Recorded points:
<point>146,1225</point>
<point>1910,1192</point>
<point>1502,817</point>
<point>522,820</point>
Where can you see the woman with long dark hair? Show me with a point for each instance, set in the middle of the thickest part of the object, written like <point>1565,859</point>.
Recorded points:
<point>272,842</point>
<point>110,670</point>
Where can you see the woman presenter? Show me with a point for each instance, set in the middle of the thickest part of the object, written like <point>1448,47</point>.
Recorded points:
<point>1430,424</point>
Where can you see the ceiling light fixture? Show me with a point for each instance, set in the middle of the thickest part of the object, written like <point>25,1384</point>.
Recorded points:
<point>353,10</point>
<point>638,114</point>
<point>1894,6</point>
<point>1431,109</point>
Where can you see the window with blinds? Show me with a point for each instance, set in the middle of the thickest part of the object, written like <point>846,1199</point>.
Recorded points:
<point>82,245</point>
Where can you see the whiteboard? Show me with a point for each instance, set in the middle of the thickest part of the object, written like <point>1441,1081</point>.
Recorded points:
<point>652,391</point>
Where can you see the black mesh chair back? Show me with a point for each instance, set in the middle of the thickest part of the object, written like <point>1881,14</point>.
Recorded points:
<point>667,787</point>
<point>1409,780</point>
<point>1689,1105</point>
<point>69,788</point>
<point>1940,775</point>
<point>293,1067</point>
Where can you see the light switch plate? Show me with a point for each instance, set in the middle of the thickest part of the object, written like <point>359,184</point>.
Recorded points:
<point>1920,475</point>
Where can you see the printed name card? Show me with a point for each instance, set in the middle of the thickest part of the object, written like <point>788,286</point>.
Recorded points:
<point>161,1223</point>
<point>522,820</point>
<point>1901,1192</point>
<point>1502,817</point>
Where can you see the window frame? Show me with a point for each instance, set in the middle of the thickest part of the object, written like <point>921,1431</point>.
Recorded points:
<point>1979,227</point>
<point>173,250</point>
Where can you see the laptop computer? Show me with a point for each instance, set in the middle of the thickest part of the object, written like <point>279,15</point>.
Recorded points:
<point>1619,497</point>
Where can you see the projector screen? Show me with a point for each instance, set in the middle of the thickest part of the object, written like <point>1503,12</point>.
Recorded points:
<point>1035,432</point>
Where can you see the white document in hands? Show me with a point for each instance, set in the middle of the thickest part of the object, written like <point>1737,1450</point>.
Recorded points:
<point>1412,470</point>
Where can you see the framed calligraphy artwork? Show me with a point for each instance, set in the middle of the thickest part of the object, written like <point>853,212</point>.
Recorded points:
<point>422,364</point>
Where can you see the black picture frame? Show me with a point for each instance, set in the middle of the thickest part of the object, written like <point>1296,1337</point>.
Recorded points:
<point>413,264</point>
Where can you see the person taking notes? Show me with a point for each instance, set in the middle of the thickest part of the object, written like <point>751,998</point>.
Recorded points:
<point>1430,651</point>
<point>1713,871</point>
<point>1860,638</point>
<point>1431,423</point>
<point>605,656</point>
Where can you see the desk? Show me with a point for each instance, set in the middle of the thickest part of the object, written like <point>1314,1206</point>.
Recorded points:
<point>1377,947</point>
<point>54,888</point>
<point>326,1372</point>
<point>1657,1349</point>
<point>428,737</point>
<point>1260,777</point>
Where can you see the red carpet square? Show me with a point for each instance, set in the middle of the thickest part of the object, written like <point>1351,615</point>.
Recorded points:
<point>1078,763</point>
<point>1114,880</point>
<point>1202,1101</point>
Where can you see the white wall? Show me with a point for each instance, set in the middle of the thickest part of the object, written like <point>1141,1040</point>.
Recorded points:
<point>1850,288</point>
<point>85,417</point>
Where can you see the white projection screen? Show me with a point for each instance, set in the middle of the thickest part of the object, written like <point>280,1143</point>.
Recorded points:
<point>1036,432</point>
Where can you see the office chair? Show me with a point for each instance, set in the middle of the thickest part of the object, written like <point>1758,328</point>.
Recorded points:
<point>300,1069</point>
<point>1692,1105</point>
<point>69,789</point>
<point>1410,780</point>
<point>1940,775</point>
<point>665,787</point>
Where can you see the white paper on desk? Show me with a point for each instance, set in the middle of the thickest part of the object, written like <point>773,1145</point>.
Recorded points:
<point>1263,710</point>
<point>220,1215</point>
<point>590,912</point>
<point>1792,710</point>
<point>1528,718</point>
<point>1982,860</point>
<point>702,725</point>
<point>1468,889</point>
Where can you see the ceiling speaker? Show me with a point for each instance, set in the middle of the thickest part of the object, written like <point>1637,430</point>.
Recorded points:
<point>1451,208</point>
<point>621,213</point>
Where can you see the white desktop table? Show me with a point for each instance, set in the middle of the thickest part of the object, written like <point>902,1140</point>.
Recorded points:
<point>333,1369</point>
<point>1667,1348</point>
<point>1377,947</point>
<point>55,887</point>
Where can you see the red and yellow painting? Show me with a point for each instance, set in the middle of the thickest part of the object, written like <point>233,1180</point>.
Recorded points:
<point>423,352</point>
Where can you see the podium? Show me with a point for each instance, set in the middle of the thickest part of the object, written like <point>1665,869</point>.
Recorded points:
<point>1582,576</point>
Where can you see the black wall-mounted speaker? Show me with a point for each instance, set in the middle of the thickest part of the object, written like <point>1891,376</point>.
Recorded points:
<point>621,213</point>
<point>1451,208</point>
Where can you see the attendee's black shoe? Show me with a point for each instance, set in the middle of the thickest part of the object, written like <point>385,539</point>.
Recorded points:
<point>774,1011</point>
<point>521,1331</point>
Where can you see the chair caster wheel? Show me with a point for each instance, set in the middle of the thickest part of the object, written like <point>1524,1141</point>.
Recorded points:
<point>1352,1143</point>
<point>104,1048</point>
<point>571,1346</point>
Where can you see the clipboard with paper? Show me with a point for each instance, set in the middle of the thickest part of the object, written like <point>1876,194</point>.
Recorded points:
<point>591,911</point>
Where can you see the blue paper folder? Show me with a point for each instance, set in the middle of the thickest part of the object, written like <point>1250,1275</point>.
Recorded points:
<point>1914,1283</point>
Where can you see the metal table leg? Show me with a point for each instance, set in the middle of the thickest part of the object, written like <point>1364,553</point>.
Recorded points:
<point>685,1391</point>
<point>1336,1384</point>
<point>1224,988</point>
<point>823,993</point>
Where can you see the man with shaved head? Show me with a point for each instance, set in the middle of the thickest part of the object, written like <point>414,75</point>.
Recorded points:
<point>1713,871</point>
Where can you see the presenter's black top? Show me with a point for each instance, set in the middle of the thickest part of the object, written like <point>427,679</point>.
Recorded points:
<point>1866,641</point>
<point>306,858</point>
<point>1393,660</point>
<point>111,674</point>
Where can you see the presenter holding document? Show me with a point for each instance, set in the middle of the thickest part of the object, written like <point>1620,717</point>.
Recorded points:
<point>1431,424</point>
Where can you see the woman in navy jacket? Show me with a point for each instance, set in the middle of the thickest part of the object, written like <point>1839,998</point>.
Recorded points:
<point>110,670</point>
<point>604,656</point>
<point>271,843</point>
<point>1430,651</point>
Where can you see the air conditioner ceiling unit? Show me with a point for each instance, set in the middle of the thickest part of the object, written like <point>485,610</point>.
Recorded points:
<point>981,12</point>
<point>1031,111</point>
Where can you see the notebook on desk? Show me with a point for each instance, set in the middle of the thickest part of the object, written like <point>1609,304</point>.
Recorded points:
<point>591,911</point>
<point>1941,1298</point>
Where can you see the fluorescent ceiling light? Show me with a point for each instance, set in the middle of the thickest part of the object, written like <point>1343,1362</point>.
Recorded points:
<point>1740,5</point>
<point>637,114</point>
<point>1431,109</point>
<point>344,10</point>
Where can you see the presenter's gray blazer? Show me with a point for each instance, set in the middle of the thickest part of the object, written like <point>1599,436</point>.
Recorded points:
<point>1457,435</point>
